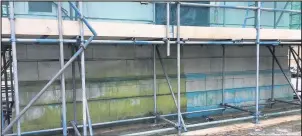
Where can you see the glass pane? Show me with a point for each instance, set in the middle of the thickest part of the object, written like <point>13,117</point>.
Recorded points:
<point>189,15</point>
<point>40,6</point>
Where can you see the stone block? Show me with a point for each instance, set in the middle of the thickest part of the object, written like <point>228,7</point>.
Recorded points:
<point>216,65</point>
<point>214,97</point>
<point>238,82</point>
<point>197,65</point>
<point>47,69</point>
<point>28,71</point>
<point>228,83</point>
<point>213,84</point>
<point>240,51</point>
<point>265,94</point>
<point>163,87</point>
<point>265,63</point>
<point>238,64</point>
<point>21,52</point>
<point>144,52</point>
<point>197,51</point>
<point>139,67</point>
<point>280,79</point>
<point>170,66</point>
<point>196,99</point>
<point>229,96</point>
<point>195,85</point>
<point>283,62</point>
<point>281,51</point>
<point>114,52</point>
<point>265,80</point>
<point>41,52</point>
<point>106,68</point>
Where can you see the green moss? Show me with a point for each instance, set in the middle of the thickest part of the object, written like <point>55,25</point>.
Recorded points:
<point>47,117</point>
<point>98,111</point>
<point>132,107</point>
<point>166,104</point>
<point>116,100</point>
<point>163,87</point>
<point>27,92</point>
<point>102,111</point>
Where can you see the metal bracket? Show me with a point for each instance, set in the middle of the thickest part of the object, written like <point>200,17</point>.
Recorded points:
<point>79,42</point>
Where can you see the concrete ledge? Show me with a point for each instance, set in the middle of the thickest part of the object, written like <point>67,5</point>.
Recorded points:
<point>33,27</point>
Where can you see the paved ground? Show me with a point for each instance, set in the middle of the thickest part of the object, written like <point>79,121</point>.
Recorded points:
<point>292,128</point>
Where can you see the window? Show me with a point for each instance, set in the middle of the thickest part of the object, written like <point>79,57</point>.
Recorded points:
<point>40,6</point>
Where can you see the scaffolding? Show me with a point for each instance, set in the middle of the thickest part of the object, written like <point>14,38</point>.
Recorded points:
<point>80,44</point>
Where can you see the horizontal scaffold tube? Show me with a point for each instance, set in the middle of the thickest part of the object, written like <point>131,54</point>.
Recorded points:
<point>211,123</point>
<point>151,42</point>
<point>113,122</point>
<point>145,118</point>
<point>237,7</point>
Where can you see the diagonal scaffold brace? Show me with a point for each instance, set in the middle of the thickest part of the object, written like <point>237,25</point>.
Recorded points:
<point>169,84</point>
<point>296,53</point>
<point>289,82</point>
<point>82,48</point>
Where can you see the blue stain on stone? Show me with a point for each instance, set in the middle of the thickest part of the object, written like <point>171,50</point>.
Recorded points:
<point>207,113</point>
<point>199,100</point>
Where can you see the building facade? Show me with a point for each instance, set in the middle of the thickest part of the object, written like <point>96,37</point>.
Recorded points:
<point>119,78</point>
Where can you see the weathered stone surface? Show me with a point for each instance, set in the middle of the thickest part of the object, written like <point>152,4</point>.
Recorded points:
<point>119,81</point>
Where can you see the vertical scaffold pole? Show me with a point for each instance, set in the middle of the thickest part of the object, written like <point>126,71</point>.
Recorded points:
<point>74,91</point>
<point>223,73</point>
<point>83,73</point>
<point>273,77</point>
<point>62,65</point>
<point>168,28</point>
<point>154,82</point>
<point>1,110</point>
<point>1,119</point>
<point>298,71</point>
<point>14,63</point>
<point>273,61</point>
<point>87,107</point>
<point>89,120</point>
<point>257,67</point>
<point>275,15</point>
<point>300,60</point>
<point>178,69</point>
<point>289,56</point>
